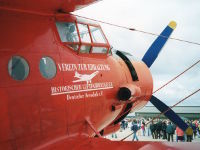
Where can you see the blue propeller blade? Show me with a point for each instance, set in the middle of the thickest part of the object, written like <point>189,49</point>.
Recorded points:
<point>152,53</point>
<point>170,114</point>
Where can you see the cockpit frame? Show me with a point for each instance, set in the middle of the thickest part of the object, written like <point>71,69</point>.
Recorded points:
<point>91,47</point>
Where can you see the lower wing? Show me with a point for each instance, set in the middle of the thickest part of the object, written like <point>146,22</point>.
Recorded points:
<point>86,143</point>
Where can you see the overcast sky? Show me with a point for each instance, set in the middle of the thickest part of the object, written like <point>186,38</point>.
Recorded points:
<point>153,16</point>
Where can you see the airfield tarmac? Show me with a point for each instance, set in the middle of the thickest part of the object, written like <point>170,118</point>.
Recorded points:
<point>123,133</point>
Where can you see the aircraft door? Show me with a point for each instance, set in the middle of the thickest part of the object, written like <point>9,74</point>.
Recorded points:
<point>72,87</point>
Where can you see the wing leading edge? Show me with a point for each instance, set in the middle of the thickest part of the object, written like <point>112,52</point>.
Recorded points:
<point>46,6</point>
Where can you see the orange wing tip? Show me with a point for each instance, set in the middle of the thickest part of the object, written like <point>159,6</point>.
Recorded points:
<point>172,24</point>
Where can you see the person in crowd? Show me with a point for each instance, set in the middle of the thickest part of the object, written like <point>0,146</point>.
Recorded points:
<point>180,134</point>
<point>114,135</point>
<point>170,131</point>
<point>155,131</point>
<point>148,127</point>
<point>126,124</point>
<point>193,125</point>
<point>152,128</point>
<point>158,129</point>
<point>185,135</point>
<point>139,126</point>
<point>143,128</point>
<point>135,128</point>
<point>123,124</point>
<point>189,135</point>
<point>164,126</point>
<point>199,129</point>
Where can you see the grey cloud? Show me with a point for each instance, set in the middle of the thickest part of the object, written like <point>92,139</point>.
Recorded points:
<point>153,16</point>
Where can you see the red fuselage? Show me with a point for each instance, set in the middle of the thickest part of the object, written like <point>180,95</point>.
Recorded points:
<point>37,109</point>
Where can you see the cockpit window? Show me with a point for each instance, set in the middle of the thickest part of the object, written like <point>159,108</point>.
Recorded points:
<point>83,37</point>
<point>67,31</point>
<point>99,50</point>
<point>97,35</point>
<point>84,33</point>
<point>85,49</point>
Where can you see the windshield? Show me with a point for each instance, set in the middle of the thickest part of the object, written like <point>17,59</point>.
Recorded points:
<point>82,37</point>
<point>67,31</point>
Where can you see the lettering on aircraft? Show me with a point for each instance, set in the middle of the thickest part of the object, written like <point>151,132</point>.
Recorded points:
<point>68,89</point>
<point>83,67</point>
<point>93,94</point>
<point>83,86</point>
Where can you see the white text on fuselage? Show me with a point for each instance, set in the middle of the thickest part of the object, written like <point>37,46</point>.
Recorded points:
<point>68,89</point>
<point>83,67</point>
<point>83,78</point>
<point>77,96</point>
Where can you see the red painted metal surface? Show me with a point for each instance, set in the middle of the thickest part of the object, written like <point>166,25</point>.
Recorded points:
<point>31,113</point>
<point>45,113</point>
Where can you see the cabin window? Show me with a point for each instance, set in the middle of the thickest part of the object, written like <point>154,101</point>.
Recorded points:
<point>18,68</point>
<point>97,35</point>
<point>47,67</point>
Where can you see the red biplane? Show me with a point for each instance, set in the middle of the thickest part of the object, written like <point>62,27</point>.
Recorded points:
<point>61,84</point>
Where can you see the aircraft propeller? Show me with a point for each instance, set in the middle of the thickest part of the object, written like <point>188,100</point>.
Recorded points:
<point>149,57</point>
<point>153,51</point>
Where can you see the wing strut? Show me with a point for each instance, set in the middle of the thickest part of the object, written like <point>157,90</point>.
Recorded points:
<point>92,127</point>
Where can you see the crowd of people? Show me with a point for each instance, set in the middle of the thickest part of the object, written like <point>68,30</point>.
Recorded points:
<point>162,129</point>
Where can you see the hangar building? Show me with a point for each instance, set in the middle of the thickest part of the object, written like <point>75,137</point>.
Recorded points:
<point>188,112</point>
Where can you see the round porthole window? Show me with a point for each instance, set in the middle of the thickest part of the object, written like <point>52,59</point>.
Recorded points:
<point>18,68</point>
<point>47,67</point>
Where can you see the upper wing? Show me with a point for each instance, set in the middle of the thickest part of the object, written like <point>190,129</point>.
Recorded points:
<point>85,143</point>
<point>46,6</point>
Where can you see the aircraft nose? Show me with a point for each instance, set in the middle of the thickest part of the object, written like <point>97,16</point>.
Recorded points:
<point>139,80</point>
